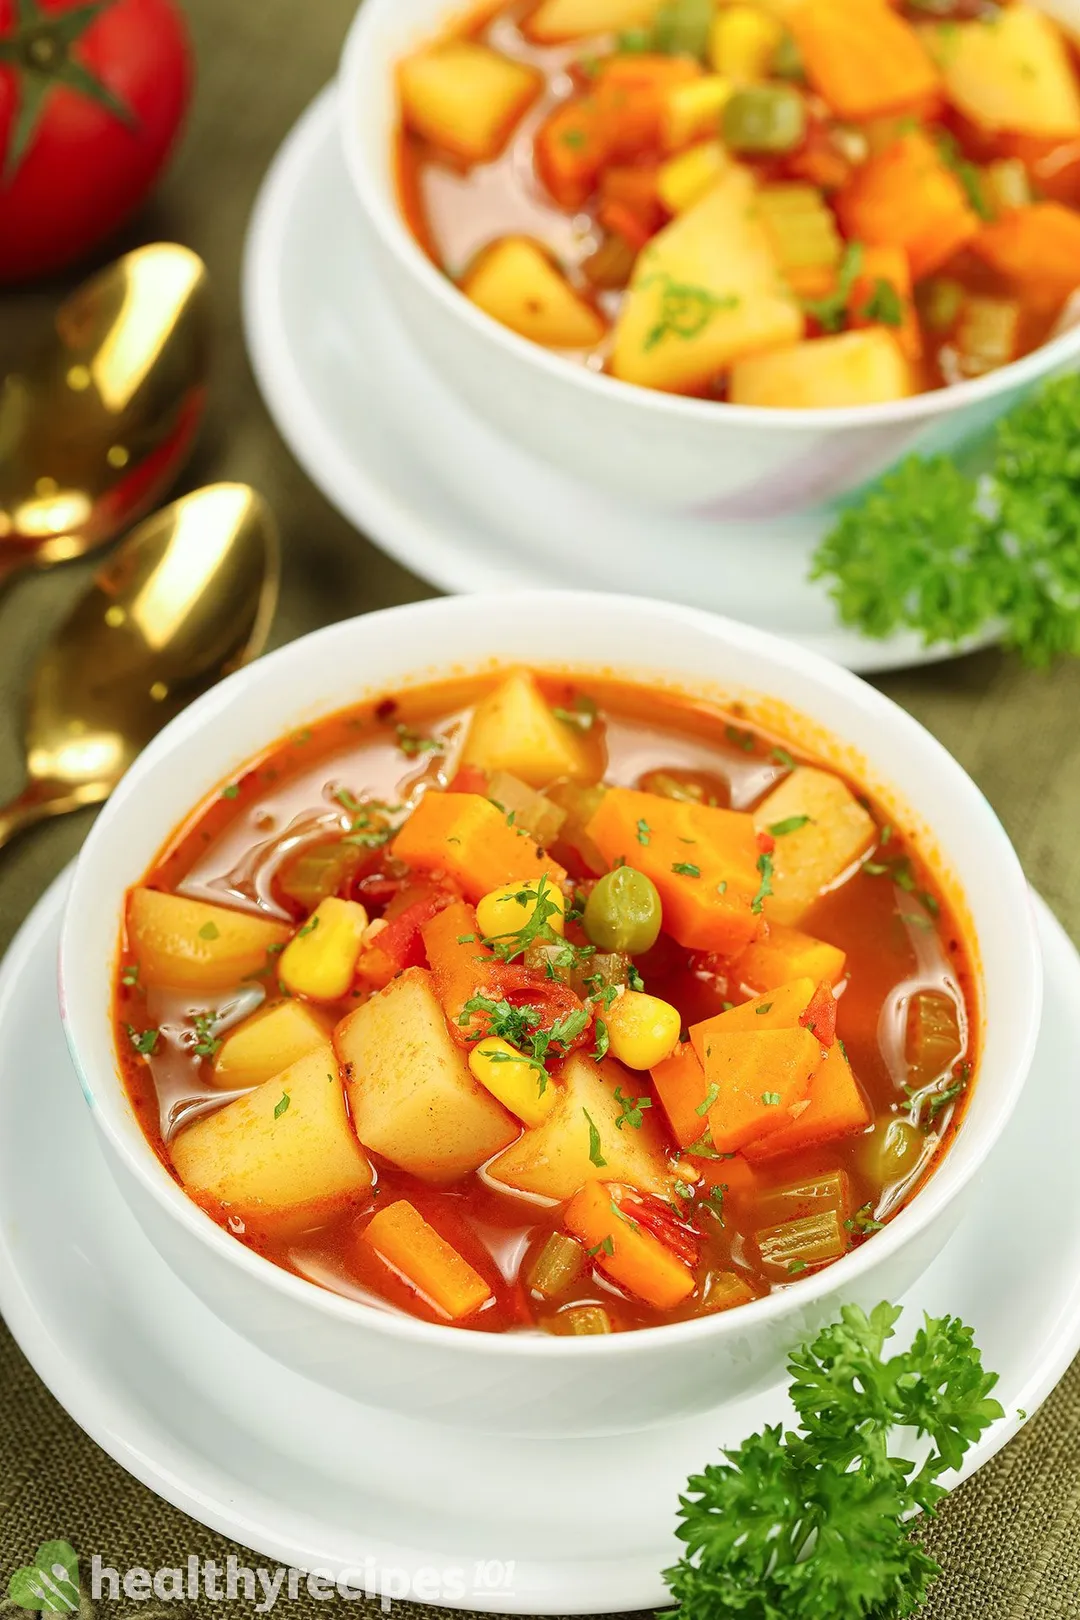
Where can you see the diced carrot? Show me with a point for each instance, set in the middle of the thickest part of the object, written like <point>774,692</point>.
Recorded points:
<point>882,295</point>
<point>1053,164</point>
<point>400,944</point>
<point>837,1108</point>
<point>465,836</point>
<point>460,965</point>
<point>780,1008</point>
<point>735,1175</point>
<point>630,92</point>
<point>811,281</point>
<point>758,1079</point>
<point>636,1259</point>
<point>1038,247</point>
<point>571,148</point>
<point>681,1086</point>
<point>403,1239</point>
<point>784,954</point>
<point>861,58</point>
<point>703,862</point>
<point>618,219</point>
<point>469,779</point>
<point>907,197</point>
<point>820,1016</point>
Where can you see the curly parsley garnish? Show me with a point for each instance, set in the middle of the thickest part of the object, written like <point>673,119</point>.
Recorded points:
<point>812,1524</point>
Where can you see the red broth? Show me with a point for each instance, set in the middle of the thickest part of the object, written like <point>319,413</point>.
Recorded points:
<point>929,217</point>
<point>736,1224</point>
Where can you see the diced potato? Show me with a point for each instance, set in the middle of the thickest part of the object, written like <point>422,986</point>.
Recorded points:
<point>684,180</point>
<point>1011,72</point>
<point>575,19</point>
<point>810,858</point>
<point>706,290</point>
<point>559,1157</point>
<point>410,1246</point>
<point>269,1041</point>
<point>285,1148</point>
<point>410,1092</point>
<point>692,110</point>
<point>853,368</point>
<point>787,953</point>
<point>743,42</point>
<point>514,730</point>
<point>190,945</point>
<point>465,97</point>
<point>320,960</point>
<point>516,282</point>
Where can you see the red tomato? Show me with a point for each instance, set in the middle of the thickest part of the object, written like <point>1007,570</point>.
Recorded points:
<point>76,160</point>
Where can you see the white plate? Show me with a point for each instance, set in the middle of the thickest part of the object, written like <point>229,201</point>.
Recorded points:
<point>391,447</point>
<point>306,1478</point>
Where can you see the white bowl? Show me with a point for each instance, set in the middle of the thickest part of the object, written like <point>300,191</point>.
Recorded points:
<point>723,461</point>
<point>534,1383</point>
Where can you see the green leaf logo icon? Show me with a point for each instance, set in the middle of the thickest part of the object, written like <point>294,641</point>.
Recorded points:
<point>51,1582</point>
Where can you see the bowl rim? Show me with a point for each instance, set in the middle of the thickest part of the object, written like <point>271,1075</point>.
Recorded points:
<point>114,1118</point>
<point>360,59</point>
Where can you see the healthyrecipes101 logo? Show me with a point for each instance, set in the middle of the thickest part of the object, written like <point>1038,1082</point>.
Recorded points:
<point>51,1584</point>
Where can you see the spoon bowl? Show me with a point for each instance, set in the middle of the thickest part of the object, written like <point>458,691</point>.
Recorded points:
<point>186,599</point>
<point>97,424</point>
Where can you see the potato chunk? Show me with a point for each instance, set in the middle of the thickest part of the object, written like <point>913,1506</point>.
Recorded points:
<point>411,1094</point>
<point>706,290</point>
<point>465,97</point>
<point>854,368</point>
<point>191,945</point>
<point>809,858</point>
<point>514,730</point>
<point>575,19</point>
<point>285,1148</point>
<point>1010,72</point>
<point>559,1157</point>
<point>266,1043</point>
<point>515,282</point>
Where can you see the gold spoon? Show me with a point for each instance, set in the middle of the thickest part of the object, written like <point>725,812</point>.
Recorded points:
<point>98,423</point>
<point>187,598</point>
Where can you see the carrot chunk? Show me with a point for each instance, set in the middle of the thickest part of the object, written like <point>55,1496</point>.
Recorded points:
<point>682,1088</point>
<point>907,197</point>
<point>571,148</point>
<point>403,1239</point>
<point>780,1008</point>
<point>618,1243</point>
<point>882,296</point>
<point>468,838</point>
<point>703,862</point>
<point>786,953</point>
<point>631,93</point>
<point>1038,247</point>
<point>757,1080</point>
<point>862,58</point>
<point>461,966</point>
<point>837,1108</point>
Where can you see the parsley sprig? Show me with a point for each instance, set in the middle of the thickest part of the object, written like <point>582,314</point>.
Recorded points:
<point>937,550</point>
<point>811,1524</point>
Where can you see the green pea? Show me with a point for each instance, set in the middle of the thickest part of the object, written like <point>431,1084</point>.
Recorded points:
<point>623,913</point>
<point>764,118</point>
<point>891,1151</point>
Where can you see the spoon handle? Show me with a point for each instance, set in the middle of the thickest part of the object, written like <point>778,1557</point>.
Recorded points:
<point>38,801</point>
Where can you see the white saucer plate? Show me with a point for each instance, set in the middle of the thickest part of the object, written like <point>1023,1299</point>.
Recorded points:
<point>308,1479</point>
<point>389,445</point>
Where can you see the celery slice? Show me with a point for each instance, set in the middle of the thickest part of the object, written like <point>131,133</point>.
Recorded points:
<point>558,1264</point>
<point>585,1319</point>
<point>793,1246</point>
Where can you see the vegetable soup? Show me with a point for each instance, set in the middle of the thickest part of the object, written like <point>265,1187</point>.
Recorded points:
<point>530,1004</point>
<point>794,203</point>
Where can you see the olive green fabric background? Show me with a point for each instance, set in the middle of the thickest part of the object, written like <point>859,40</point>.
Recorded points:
<point>1010,1540</point>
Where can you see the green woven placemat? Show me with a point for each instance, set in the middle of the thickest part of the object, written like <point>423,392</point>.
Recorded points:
<point>1010,1540</point>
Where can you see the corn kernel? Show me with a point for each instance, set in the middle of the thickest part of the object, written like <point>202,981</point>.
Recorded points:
<point>504,911</point>
<point>743,41</point>
<point>683,179</point>
<point>693,110</point>
<point>320,960</point>
<point>513,1080</point>
<point>642,1030</point>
